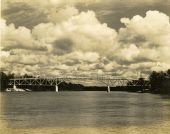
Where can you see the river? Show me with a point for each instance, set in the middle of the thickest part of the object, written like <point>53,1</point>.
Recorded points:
<point>84,113</point>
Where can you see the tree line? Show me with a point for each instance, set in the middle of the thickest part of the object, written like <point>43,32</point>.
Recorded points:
<point>159,82</point>
<point>4,78</point>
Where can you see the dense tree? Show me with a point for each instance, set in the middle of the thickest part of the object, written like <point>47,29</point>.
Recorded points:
<point>4,78</point>
<point>158,79</point>
<point>3,81</point>
<point>27,76</point>
<point>168,73</point>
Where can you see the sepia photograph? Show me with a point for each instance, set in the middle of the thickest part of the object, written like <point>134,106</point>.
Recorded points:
<point>85,67</point>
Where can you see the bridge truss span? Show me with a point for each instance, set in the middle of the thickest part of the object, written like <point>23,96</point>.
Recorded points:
<point>108,81</point>
<point>35,81</point>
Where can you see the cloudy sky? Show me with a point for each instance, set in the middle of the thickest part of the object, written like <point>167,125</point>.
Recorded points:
<point>50,37</point>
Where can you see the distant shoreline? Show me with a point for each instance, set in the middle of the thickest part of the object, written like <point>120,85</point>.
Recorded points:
<point>85,88</point>
<point>158,82</point>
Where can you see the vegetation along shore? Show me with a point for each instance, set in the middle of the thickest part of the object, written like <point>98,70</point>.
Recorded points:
<point>159,83</point>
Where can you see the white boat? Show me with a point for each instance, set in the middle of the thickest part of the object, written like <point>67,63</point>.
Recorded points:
<point>27,90</point>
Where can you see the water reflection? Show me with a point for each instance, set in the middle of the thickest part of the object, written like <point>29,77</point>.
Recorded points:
<point>165,96</point>
<point>91,109</point>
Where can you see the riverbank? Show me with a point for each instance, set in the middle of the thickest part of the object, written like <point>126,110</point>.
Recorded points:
<point>162,128</point>
<point>74,88</point>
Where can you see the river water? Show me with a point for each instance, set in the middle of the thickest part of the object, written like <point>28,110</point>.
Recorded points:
<point>84,113</point>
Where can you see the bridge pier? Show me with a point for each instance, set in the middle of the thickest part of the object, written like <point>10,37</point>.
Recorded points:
<point>108,89</point>
<point>14,87</point>
<point>56,88</point>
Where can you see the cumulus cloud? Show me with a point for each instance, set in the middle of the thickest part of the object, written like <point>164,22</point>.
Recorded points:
<point>84,30</point>
<point>21,38</point>
<point>150,34</point>
<point>81,43</point>
<point>30,13</point>
<point>61,14</point>
<point>74,44</point>
<point>23,14</point>
<point>154,28</point>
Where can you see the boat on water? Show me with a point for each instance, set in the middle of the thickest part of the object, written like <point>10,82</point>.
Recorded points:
<point>27,90</point>
<point>15,89</point>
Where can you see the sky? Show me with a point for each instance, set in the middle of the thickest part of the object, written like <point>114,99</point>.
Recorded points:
<point>122,38</point>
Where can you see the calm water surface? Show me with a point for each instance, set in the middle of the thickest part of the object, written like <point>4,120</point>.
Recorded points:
<point>35,110</point>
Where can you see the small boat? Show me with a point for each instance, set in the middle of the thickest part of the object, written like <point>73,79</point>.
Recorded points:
<point>27,90</point>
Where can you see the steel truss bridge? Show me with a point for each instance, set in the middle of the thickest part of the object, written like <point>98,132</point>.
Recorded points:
<point>108,81</point>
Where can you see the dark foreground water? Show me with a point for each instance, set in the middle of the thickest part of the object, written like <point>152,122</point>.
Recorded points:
<point>30,111</point>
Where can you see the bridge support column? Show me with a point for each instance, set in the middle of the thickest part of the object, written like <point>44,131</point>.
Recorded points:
<point>14,87</point>
<point>108,88</point>
<point>56,88</point>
